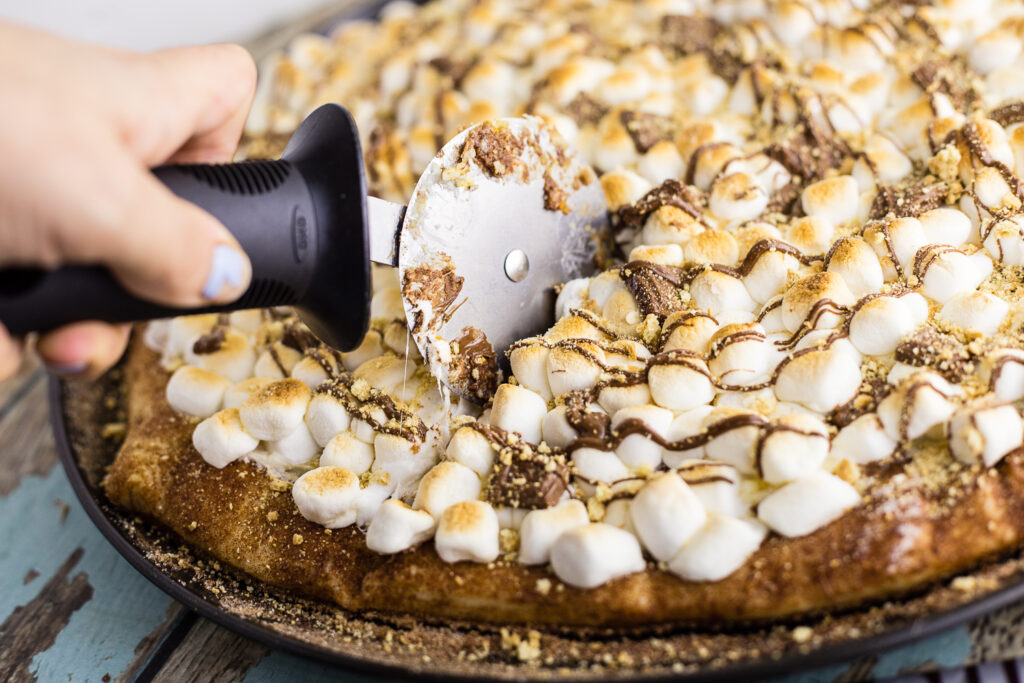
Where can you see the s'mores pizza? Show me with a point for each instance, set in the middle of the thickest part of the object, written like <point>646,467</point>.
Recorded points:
<point>795,386</point>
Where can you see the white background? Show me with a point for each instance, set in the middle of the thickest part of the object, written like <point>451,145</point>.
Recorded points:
<point>150,24</point>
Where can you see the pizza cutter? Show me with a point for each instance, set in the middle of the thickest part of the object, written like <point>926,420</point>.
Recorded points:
<point>310,231</point>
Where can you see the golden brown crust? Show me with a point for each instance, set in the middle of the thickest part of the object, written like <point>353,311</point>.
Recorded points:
<point>885,547</point>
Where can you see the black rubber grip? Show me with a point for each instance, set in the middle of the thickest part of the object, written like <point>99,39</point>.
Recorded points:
<point>301,220</point>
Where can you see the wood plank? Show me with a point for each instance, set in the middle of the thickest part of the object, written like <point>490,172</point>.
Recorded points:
<point>26,440</point>
<point>211,654</point>
<point>12,389</point>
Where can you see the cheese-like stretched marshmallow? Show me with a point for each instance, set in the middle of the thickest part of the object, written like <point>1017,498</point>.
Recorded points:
<point>834,199</point>
<point>471,448</point>
<point>637,450</point>
<point>947,273</point>
<point>233,357</point>
<point>221,439</point>
<point>878,325</point>
<point>807,301</point>
<point>665,514</point>
<point>714,292</point>
<point>921,401</point>
<point>807,504</point>
<point>517,409</point>
<point>595,465</point>
<point>276,410</point>
<point>276,361</point>
<point>444,485</point>
<point>855,262</point>
<point>863,441</point>
<point>327,496</point>
<point>540,529</point>
<point>680,385</point>
<point>737,444</point>
<point>945,226</point>
<point>984,433</point>
<point>593,554</point>
<point>1003,371</point>
<point>556,430</point>
<point>467,530</point>
<point>403,460</point>
<point>721,547</point>
<point>530,366</point>
<point>326,416</point>
<point>195,391</point>
<point>821,379</point>
<point>397,527</point>
<point>794,446</point>
<point>975,312</point>
<point>345,450</point>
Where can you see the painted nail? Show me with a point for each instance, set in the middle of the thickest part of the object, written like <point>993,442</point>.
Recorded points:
<point>227,268</point>
<point>67,369</point>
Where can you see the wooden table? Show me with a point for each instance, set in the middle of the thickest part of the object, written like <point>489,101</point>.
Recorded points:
<point>73,609</point>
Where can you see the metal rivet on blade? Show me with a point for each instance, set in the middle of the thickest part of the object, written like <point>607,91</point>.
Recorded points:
<point>517,265</point>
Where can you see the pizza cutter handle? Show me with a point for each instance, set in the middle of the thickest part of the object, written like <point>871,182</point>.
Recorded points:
<point>301,220</point>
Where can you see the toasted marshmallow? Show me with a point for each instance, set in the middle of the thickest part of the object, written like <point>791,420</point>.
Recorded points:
<point>325,417</point>
<point>834,199</point>
<point>716,485</point>
<point>569,369</point>
<point>888,161</point>
<point>517,409</point>
<point>276,361</point>
<point>593,554</point>
<point>468,530</point>
<point>662,254</point>
<point>1003,371</point>
<point>716,293</point>
<point>276,410</point>
<point>234,358</point>
<point>994,50</point>
<point>665,514</point>
<point>623,187</point>
<point>471,448</point>
<point>993,192</point>
<point>807,504</point>
<point>403,460</point>
<point>712,246</point>
<point>802,300</point>
<point>852,259</point>
<point>740,354</point>
<point>921,401</point>
<point>680,385</point>
<point>345,450</point>
<point>708,162</point>
<point>721,547</point>
<point>247,321</point>
<point>540,529</point>
<point>310,371</point>
<point>863,441</point>
<point>770,275</point>
<point>985,433</point>
<point>794,446</point>
<point>669,225</point>
<point>952,272</point>
<point>529,365</point>
<point>1005,240</point>
<point>661,162</point>
<point>822,379</point>
<point>195,391</point>
<point>236,395</point>
<point>692,332</point>
<point>221,439</point>
<point>574,294</point>
<point>556,430</point>
<point>945,226</point>
<point>636,450</point>
<point>155,336</point>
<point>182,333</point>
<point>371,347</point>
<point>735,446</point>
<point>444,485</point>
<point>386,373</point>
<point>327,496</point>
<point>595,465</point>
<point>975,312</point>
<point>737,197</point>
<point>877,326</point>
<point>397,527</point>
<point>811,234</point>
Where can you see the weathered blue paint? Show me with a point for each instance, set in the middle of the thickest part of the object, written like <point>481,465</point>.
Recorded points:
<point>279,666</point>
<point>947,650</point>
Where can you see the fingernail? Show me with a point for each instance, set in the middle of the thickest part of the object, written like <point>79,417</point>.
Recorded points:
<point>227,268</point>
<point>67,369</point>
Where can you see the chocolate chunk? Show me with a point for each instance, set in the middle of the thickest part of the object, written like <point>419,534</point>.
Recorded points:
<point>497,150</point>
<point>436,284</point>
<point>1008,114</point>
<point>453,68</point>
<point>556,197</point>
<point>210,342</point>
<point>297,336</point>
<point>669,193</point>
<point>948,77</point>
<point>473,370</point>
<point>529,481</point>
<point>687,35</point>
<point>911,200</point>
<point>872,391</point>
<point>584,109</point>
<point>647,129</point>
<point>655,287</point>
<point>937,351</point>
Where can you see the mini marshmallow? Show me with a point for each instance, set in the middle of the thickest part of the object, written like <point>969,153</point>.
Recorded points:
<point>852,259</point>
<point>794,446</point>
<point>661,162</point>
<point>623,187</point>
<point>274,359</point>
<point>326,416</point>
<point>945,226</point>
<point>195,391</point>
<point>905,237</point>
<point>236,395</point>
<point>975,312</point>
<point>680,385</point>
<point>708,162</point>
<point>662,254</point>
<point>665,514</point>
<point>715,292</point>
<point>345,450</point>
<point>556,430</point>
<point>471,448</point>
<point>807,504</point>
<point>736,198</point>
<point>221,439</point>
<point>740,354</point>
<point>801,301</point>
<point>593,554</point>
<point>371,347</point>
<point>386,373</point>
<point>573,294</point>
<point>993,192</point>
<point>529,365</point>
<point>613,398</point>
<point>770,275</point>
<point>510,518</point>
<point>718,549</point>
<point>297,448</point>
<point>669,225</point>
<point>692,332</point>
<point>540,529</point>
<point>716,485</point>
<point>569,369</point>
<point>155,336</point>
<point>517,409</point>
<point>403,460</point>
<point>811,234</point>
<point>994,50</point>
<point>468,530</point>
<point>887,159</point>
<point>822,379</point>
<point>444,485</point>
<point>636,450</point>
<point>234,358</point>
<point>878,325</point>
<point>920,403</point>
<point>247,321</point>
<point>712,246</point>
<point>595,465</point>
<point>984,433</point>
<point>397,527</point>
<point>310,371</point>
<point>1003,371</point>
<point>1005,240</point>
<point>863,441</point>
<point>736,446</point>
<point>276,410</point>
<point>834,199</point>
<point>327,496</point>
<point>363,429</point>
<point>952,272</point>
<point>182,333</point>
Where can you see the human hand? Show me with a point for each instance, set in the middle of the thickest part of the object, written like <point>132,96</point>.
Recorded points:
<point>81,127</point>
